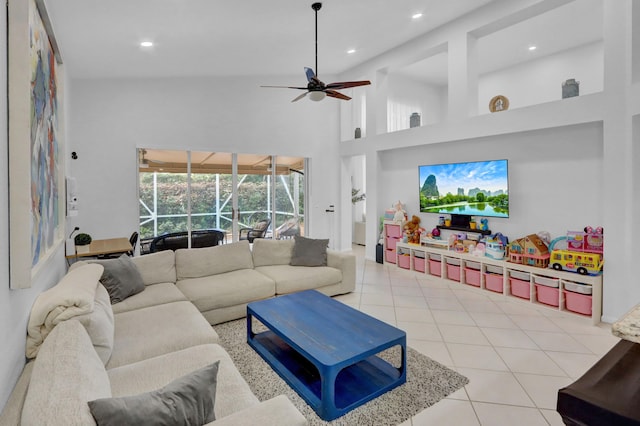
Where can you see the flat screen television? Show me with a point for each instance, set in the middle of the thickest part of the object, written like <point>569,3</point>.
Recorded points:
<point>479,188</point>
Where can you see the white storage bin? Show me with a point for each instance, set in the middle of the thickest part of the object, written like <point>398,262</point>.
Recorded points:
<point>472,265</point>
<point>549,282</point>
<point>434,256</point>
<point>452,261</point>
<point>522,276</point>
<point>578,287</point>
<point>495,269</point>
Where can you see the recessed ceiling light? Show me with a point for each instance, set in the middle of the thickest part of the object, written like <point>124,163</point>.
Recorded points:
<point>532,48</point>
<point>350,51</point>
<point>416,15</point>
<point>146,44</point>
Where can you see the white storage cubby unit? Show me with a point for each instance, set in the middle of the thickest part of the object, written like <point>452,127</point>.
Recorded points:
<point>565,291</point>
<point>392,236</point>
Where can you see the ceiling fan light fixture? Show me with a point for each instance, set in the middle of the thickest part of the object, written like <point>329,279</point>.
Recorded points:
<point>317,96</point>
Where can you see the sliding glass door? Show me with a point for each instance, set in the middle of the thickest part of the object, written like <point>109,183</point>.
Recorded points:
<point>184,191</point>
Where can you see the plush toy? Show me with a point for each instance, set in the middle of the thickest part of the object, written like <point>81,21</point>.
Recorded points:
<point>412,230</point>
<point>484,224</point>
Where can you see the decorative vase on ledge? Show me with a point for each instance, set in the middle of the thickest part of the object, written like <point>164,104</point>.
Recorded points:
<point>414,120</point>
<point>570,88</point>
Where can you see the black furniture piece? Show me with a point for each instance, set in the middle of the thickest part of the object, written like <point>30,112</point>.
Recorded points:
<point>178,240</point>
<point>608,393</point>
<point>258,230</point>
<point>133,239</point>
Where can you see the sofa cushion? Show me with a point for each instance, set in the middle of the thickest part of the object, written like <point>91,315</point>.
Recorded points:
<point>222,290</point>
<point>233,392</point>
<point>100,324</point>
<point>188,400</point>
<point>309,252</point>
<point>290,279</point>
<point>156,294</point>
<point>271,252</point>
<point>202,262</point>
<point>121,278</point>
<point>157,267</point>
<point>66,374</point>
<point>157,330</point>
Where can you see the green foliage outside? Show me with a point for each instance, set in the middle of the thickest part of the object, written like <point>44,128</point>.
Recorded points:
<point>173,201</point>
<point>500,203</point>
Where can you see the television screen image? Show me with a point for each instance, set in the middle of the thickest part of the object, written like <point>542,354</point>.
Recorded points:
<point>479,188</point>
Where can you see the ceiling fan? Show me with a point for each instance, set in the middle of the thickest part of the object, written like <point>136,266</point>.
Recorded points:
<point>315,88</point>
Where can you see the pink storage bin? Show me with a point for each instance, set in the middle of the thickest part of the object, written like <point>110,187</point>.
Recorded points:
<point>393,231</point>
<point>434,267</point>
<point>520,288</point>
<point>547,295</point>
<point>391,256</point>
<point>472,277</point>
<point>391,243</point>
<point>453,272</point>
<point>403,261</point>
<point>576,302</point>
<point>419,264</point>
<point>493,282</point>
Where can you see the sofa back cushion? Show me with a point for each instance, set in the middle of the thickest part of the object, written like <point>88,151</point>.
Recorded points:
<point>202,262</point>
<point>272,252</point>
<point>156,268</point>
<point>66,375</point>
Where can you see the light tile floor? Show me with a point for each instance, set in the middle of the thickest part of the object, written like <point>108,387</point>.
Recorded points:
<point>516,354</point>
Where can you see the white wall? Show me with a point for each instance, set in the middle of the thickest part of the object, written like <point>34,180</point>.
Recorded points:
<point>110,118</point>
<point>555,177</point>
<point>414,96</point>
<point>14,304</point>
<point>538,81</point>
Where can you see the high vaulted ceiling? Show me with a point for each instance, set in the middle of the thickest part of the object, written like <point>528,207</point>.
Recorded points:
<point>243,37</point>
<point>101,39</point>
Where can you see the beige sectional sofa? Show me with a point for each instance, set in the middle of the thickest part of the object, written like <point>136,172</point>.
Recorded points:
<point>85,348</point>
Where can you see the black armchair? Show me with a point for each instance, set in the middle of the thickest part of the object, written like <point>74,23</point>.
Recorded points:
<point>258,230</point>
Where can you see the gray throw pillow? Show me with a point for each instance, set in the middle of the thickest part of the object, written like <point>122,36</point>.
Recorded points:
<point>309,252</point>
<point>121,278</point>
<point>186,401</point>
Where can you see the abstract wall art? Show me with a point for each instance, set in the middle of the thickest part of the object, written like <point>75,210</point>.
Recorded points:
<point>36,192</point>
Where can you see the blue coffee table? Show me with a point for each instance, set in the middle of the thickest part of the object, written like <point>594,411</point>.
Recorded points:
<point>326,351</point>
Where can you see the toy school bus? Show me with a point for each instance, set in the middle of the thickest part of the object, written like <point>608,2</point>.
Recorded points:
<point>573,261</point>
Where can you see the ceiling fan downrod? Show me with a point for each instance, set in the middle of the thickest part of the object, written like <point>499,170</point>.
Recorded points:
<point>316,7</point>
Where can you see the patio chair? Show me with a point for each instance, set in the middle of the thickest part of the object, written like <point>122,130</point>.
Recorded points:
<point>259,230</point>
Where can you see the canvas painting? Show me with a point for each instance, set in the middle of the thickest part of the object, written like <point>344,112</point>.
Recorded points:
<point>36,171</point>
<point>44,140</point>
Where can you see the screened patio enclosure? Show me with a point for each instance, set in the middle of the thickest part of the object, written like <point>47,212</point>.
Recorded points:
<point>193,190</point>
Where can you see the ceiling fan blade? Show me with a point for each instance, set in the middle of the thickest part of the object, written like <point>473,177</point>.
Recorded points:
<point>338,95</point>
<point>345,84</point>
<point>309,72</point>
<point>297,98</point>
<point>286,87</point>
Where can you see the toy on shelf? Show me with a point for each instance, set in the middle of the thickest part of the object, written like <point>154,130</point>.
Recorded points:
<point>583,253</point>
<point>495,246</point>
<point>484,224</point>
<point>412,230</point>
<point>591,240</point>
<point>400,214</point>
<point>530,250</point>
